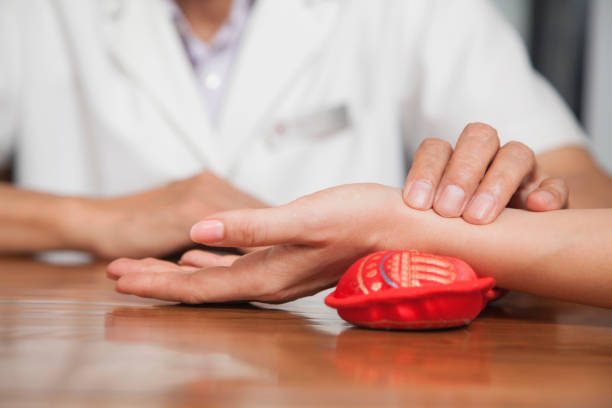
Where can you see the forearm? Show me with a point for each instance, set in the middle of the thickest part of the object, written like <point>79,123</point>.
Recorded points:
<point>590,189</point>
<point>32,221</point>
<point>562,254</point>
<point>589,186</point>
<point>149,223</point>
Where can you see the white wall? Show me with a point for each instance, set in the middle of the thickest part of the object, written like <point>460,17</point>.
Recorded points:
<point>597,109</point>
<point>598,90</point>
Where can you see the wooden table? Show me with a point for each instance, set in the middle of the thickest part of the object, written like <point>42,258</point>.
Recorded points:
<point>68,340</point>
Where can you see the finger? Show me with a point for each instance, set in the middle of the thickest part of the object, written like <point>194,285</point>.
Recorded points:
<point>252,228</point>
<point>206,259</point>
<point>512,165</point>
<point>531,182</point>
<point>186,288</point>
<point>216,284</point>
<point>477,145</point>
<point>552,194</point>
<point>124,266</point>
<point>427,168</point>
<point>277,274</point>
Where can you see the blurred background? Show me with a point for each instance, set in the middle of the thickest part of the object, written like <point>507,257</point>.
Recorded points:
<point>570,42</point>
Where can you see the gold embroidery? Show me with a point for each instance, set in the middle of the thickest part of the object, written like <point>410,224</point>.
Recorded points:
<point>360,278</point>
<point>432,278</point>
<point>376,286</point>
<point>433,270</point>
<point>405,270</point>
<point>431,261</point>
<point>393,270</point>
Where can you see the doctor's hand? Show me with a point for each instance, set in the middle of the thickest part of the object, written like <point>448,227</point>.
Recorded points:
<point>312,240</point>
<point>157,222</point>
<point>478,179</point>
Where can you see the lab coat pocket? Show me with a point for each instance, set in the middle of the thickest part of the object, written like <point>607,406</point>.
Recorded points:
<point>310,127</point>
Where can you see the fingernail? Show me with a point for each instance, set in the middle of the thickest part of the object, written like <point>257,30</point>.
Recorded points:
<point>450,202</point>
<point>419,194</point>
<point>207,231</point>
<point>481,207</point>
<point>547,198</point>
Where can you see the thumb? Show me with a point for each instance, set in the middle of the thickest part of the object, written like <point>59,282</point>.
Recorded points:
<point>251,228</point>
<point>551,194</point>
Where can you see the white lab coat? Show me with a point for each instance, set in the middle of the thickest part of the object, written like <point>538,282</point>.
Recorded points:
<point>98,98</point>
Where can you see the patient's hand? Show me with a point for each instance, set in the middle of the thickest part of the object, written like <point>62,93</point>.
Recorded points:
<point>311,243</point>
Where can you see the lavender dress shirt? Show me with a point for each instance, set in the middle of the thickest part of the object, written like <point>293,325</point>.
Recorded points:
<point>212,62</point>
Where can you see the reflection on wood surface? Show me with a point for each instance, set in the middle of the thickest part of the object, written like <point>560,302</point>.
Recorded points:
<point>68,340</point>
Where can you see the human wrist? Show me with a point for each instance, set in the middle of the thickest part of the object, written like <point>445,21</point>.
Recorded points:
<point>397,226</point>
<point>81,224</point>
<point>407,228</point>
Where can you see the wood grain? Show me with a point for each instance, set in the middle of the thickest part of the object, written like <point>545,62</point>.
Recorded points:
<point>67,339</point>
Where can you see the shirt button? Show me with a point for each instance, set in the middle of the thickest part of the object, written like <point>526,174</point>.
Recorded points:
<point>212,81</point>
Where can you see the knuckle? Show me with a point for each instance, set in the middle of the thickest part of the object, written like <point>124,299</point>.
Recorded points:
<point>503,179</point>
<point>557,185</point>
<point>249,233</point>
<point>430,160</point>
<point>465,173</point>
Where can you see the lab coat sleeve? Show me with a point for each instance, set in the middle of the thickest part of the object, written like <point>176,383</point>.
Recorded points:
<point>475,68</point>
<point>9,80</point>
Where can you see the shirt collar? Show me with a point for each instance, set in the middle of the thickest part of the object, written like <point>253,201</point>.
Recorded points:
<point>226,36</point>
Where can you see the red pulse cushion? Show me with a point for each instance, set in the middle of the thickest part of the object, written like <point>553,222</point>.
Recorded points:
<point>410,290</point>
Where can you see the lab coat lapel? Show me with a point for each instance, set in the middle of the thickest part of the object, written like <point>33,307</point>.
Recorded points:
<point>145,44</point>
<point>280,38</point>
